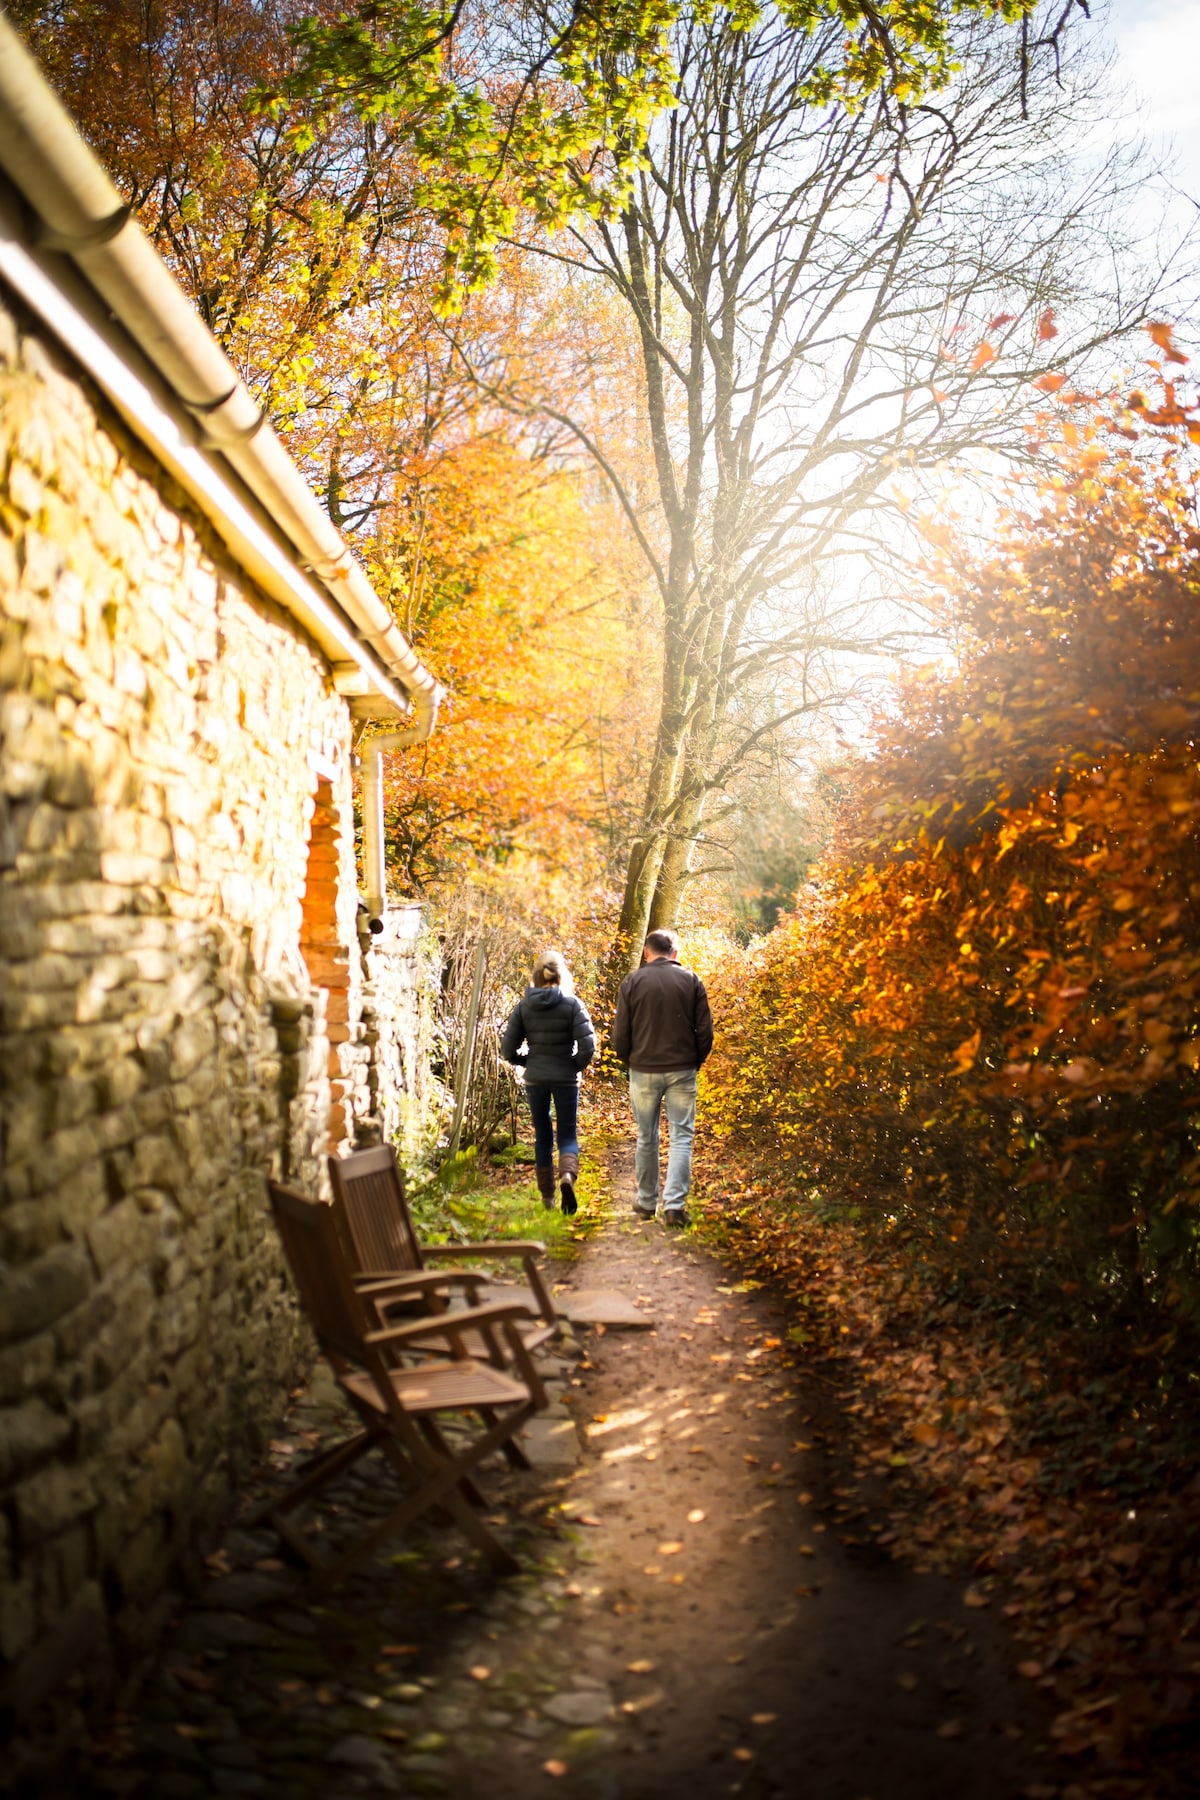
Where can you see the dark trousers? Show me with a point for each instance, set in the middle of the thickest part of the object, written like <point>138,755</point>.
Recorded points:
<point>563,1096</point>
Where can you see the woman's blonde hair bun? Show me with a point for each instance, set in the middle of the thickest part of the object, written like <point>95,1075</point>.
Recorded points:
<point>550,970</point>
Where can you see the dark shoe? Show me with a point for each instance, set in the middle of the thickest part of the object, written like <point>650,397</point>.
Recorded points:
<point>568,1169</point>
<point>645,1212</point>
<point>545,1181</point>
<point>676,1215</point>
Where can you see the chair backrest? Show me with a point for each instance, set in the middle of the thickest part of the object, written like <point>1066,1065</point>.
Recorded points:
<point>318,1256</point>
<point>369,1189</point>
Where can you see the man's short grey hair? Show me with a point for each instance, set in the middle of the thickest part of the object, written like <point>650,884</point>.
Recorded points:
<point>663,943</point>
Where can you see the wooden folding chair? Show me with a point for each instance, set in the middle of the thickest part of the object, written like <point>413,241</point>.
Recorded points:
<point>368,1186</point>
<point>398,1405</point>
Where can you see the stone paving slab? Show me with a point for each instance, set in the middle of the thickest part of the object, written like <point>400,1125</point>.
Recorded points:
<point>551,1443</point>
<point>603,1306</point>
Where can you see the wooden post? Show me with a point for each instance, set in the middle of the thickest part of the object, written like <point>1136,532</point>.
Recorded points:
<point>466,1056</point>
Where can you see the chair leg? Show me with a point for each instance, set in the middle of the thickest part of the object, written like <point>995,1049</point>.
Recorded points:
<point>433,1435</point>
<point>513,1452</point>
<point>443,1485</point>
<point>321,1469</point>
<point>482,1536</point>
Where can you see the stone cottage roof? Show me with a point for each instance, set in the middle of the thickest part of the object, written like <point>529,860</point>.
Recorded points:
<point>71,250</point>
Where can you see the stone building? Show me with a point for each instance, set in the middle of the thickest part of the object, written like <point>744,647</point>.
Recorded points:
<point>188,1003</point>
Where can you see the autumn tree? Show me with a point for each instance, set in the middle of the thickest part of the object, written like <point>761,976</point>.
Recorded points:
<point>310,258</point>
<point>824,295</point>
<point>520,596</point>
<point>543,106</point>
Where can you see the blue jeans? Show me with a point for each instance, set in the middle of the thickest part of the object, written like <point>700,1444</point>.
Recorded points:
<point>564,1095</point>
<point>647,1093</point>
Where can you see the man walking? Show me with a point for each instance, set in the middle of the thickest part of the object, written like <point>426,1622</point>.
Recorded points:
<point>664,1031</point>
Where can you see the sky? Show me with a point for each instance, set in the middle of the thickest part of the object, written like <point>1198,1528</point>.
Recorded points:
<point>1158,48</point>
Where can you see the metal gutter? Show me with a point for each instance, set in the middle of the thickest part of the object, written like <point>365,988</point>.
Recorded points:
<point>82,217</point>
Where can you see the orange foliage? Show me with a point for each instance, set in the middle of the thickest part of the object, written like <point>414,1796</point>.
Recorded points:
<point>525,597</point>
<point>982,1026</point>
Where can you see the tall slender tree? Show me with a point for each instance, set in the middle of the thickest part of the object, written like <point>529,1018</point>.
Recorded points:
<point>826,296</point>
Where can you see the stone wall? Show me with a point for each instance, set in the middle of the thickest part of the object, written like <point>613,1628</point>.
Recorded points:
<point>181,1014</point>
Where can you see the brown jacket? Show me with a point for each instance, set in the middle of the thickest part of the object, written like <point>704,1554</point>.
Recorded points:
<point>663,1021</point>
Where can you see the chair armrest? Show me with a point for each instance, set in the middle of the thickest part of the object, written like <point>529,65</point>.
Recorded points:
<point>528,1249</point>
<point>503,1247</point>
<point>474,1316</point>
<point>374,1281</point>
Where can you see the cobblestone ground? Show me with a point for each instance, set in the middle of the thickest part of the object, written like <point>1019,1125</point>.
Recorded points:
<point>702,1605</point>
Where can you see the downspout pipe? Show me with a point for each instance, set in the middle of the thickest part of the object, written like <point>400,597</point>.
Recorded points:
<point>374,870</point>
<point>83,217</point>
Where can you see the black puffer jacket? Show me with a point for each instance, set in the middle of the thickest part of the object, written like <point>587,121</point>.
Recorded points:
<point>556,1028</point>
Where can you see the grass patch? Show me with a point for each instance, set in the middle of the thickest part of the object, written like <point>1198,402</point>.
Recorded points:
<point>465,1203</point>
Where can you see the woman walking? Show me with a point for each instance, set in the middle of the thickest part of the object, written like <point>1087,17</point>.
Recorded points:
<point>559,1044</point>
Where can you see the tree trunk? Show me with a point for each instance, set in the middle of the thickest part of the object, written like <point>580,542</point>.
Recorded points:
<point>646,855</point>
<point>675,862</point>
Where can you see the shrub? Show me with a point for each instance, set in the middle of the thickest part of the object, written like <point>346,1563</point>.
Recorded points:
<point>980,1027</point>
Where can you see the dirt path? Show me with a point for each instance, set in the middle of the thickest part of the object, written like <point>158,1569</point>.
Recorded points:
<point>776,1652</point>
<point>705,1611</point>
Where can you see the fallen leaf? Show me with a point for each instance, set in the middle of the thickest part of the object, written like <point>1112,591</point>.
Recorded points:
<point>1030,1668</point>
<point>198,1680</point>
<point>480,1673</point>
<point>587,1519</point>
<point>953,1728</point>
<point>399,1649</point>
<point>696,1516</point>
<point>643,1666</point>
<point>554,1767</point>
<point>976,1597</point>
<point>671,1549</point>
<point>763,1718</point>
<point>907,1680</point>
<point>741,1754</point>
